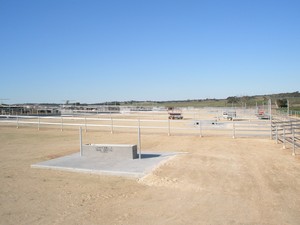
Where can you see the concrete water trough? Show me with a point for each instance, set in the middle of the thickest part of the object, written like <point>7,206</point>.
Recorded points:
<point>112,151</point>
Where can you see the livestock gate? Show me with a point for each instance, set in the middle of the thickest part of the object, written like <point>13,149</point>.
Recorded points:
<point>286,131</point>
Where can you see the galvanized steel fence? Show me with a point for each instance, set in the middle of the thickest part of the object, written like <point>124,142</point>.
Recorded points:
<point>281,128</point>
<point>286,130</point>
<point>196,127</point>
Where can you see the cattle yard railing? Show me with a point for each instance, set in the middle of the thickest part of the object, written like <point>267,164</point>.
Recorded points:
<point>286,131</point>
<point>195,127</point>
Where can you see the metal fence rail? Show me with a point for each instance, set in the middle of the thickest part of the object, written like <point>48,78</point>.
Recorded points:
<point>286,130</point>
<point>282,128</point>
<point>246,128</point>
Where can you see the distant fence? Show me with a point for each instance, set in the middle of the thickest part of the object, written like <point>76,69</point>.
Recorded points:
<point>294,113</point>
<point>285,112</point>
<point>239,128</point>
<point>286,130</point>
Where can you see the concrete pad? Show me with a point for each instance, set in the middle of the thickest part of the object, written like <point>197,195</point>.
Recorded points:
<point>134,168</point>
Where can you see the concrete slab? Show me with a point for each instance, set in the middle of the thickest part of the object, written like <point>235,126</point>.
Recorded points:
<point>134,168</point>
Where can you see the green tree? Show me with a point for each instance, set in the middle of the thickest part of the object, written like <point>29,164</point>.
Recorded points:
<point>281,103</point>
<point>232,99</point>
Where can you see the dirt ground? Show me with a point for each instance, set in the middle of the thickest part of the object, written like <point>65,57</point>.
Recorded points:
<point>219,180</point>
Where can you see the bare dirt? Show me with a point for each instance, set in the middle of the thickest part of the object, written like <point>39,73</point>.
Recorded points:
<point>219,181</point>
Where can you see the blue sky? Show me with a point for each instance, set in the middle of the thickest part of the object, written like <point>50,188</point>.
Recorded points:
<point>116,50</point>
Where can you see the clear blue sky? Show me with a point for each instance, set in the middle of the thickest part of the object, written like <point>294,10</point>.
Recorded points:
<point>115,50</point>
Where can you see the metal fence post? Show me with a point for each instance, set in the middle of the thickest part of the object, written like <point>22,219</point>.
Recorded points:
<point>139,140</point>
<point>62,124</point>
<point>293,132</point>
<point>276,134</point>
<point>80,140</point>
<point>112,125</point>
<point>200,128</point>
<point>270,117</point>
<point>38,123</point>
<point>233,127</point>
<point>85,124</point>
<point>283,141</point>
<point>169,132</point>
<point>17,122</point>
<point>271,129</point>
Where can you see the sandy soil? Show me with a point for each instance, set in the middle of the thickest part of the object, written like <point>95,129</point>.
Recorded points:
<point>219,181</point>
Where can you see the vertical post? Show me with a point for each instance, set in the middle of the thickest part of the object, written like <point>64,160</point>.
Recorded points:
<point>80,140</point>
<point>139,140</point>
<point>112,125</point>
<point>256,108</point>
<point>200,129</point>
<point>283,141</point>
<point>85,124</point>
<point>17,122</point>
<point>39,123</point>
<point>169,132</point>
<point>152,112</point>
<point>233,128</point>
<point>291,126</point>
<point>293,132</point>
<point>270,117</point>
<point>62,124</point>
<point>288,108</point>
<point>276,134</point>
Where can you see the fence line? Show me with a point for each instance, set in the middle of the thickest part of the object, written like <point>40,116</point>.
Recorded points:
<point>286,130</point>
<point>171,127</point>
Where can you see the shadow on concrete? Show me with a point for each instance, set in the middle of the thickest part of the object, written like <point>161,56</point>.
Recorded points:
<point>147,156</point>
